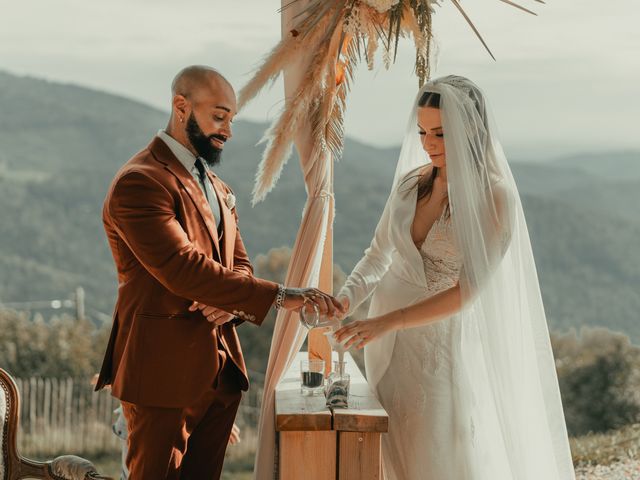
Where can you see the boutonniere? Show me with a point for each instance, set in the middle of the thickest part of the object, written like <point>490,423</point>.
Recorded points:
<point>231,200</point>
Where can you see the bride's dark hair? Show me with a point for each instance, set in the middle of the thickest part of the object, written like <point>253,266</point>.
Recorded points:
<point>425,180</point>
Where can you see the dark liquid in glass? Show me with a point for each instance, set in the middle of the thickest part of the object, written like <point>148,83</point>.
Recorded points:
<point>312,379</point>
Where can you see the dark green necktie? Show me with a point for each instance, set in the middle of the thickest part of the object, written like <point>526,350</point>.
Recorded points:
<point>209,192</point>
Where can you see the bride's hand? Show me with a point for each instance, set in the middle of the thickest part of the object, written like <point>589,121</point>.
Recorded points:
<point>362,332</point>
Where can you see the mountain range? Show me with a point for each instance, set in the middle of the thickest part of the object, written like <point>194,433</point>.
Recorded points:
<point>61,144</point>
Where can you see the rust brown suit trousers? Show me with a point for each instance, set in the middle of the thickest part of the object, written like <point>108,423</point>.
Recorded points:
<point>179,377</point>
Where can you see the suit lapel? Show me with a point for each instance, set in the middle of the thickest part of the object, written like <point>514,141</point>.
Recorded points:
<point>228,222</point>
<point>163,154</point>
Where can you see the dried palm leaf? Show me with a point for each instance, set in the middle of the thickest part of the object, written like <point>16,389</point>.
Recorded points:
<point>325,104</point>
<point>338,33</point>
<point>456,3</point>
<point>419,24</point>
<point>508,2</point>
<point>335,125</point>
<point>372,47</point>
<point>281,55</point>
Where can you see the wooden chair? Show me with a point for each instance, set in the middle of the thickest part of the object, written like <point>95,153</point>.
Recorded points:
<point>15,467</point>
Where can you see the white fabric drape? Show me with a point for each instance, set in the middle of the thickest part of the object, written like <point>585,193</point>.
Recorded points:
<point>306,260</point>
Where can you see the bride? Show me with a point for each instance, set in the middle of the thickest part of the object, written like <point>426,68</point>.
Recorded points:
<point>457,346</point>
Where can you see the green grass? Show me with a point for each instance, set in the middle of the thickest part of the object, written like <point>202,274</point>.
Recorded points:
<point>606,448</point>
<point>234,468</point>
<point>107,464</point>
<point>593,449</point>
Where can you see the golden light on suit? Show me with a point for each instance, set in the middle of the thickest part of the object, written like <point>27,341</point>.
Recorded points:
<point>160,355</point>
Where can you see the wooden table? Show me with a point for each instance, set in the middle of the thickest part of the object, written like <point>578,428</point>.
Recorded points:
<point>316,443</point>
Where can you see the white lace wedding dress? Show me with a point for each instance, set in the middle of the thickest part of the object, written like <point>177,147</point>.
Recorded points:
<point>474,396</point>
<point>417,389</point>
<point>443,424</point>
<point>428,439</point>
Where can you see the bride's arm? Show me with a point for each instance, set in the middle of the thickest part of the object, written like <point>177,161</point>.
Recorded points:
<point>372,266</point>
<point>441,305</point>
<point>444,304</point>
<point>450,301</point>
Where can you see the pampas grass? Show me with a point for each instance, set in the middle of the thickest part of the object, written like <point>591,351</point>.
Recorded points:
<point>336,34</point>
<point>280,136</point>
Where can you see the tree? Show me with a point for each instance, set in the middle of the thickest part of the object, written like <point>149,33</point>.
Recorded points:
<point>61,347</point>
<point>598,375</point>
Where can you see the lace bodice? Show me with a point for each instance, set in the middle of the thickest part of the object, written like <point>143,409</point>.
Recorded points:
<point>441,259</point>
<point>427,347</point>
<point>427,352</point>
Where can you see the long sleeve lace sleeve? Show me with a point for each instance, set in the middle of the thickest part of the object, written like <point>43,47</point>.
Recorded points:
<point>372,266</point>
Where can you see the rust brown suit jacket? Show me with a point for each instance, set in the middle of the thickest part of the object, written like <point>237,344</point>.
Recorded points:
<point>167,252</point>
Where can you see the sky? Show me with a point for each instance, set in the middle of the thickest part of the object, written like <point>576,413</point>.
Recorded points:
<point>565,81</point>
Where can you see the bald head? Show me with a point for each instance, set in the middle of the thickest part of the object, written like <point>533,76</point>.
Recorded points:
<point>191,80</point>
<point>203,108</point>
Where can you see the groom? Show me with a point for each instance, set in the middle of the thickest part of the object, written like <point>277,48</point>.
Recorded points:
<point>185,282</point>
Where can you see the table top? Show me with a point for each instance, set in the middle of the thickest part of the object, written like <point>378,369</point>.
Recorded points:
<point>310,413</point>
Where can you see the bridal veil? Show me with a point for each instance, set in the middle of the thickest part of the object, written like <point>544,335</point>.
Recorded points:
<point>505,375</point>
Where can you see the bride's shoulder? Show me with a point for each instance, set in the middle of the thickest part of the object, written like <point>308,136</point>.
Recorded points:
<point>501,189</point>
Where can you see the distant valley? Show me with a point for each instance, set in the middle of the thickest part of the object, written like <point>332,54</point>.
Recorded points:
<point>61,145</point>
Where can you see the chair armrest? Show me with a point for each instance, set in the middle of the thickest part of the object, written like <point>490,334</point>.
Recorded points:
<point>70,467</point>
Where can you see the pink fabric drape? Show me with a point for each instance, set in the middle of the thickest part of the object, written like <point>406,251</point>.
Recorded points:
<point>306,260</point>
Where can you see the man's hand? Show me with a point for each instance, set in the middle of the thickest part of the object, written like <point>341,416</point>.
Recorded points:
<point>234,438</point>
<point>297,298</point>
<point>344,301</point>
<point>212,314</point>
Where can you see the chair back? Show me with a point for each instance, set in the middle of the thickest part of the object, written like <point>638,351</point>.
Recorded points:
<point>9,408</point>
<point>15,467</point>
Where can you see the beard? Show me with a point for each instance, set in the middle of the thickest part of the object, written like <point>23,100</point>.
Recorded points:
<point>202,143</point>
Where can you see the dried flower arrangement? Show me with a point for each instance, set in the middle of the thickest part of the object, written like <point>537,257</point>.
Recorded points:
<point>337,34</point>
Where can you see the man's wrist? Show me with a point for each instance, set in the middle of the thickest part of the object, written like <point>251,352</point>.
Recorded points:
<point>280,296</point>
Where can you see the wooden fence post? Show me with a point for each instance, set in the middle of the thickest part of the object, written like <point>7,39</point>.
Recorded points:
<point>65,416</point>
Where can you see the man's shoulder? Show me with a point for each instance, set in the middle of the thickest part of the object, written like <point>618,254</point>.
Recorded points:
<point>143,162</point>
<point>142,170</point>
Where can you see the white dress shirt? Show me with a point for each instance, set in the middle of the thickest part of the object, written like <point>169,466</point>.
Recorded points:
<point>188,159</point>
